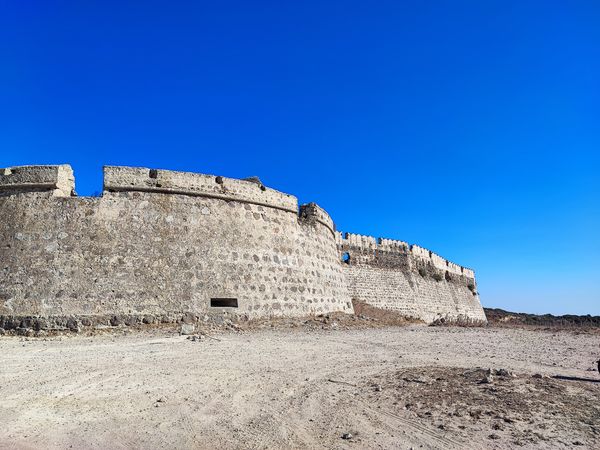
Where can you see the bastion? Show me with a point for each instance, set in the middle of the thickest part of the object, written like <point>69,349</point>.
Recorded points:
<point>164,246</point>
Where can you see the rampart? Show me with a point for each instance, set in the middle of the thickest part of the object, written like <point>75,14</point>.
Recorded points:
<point>159,245</point>
<point>409,279</point>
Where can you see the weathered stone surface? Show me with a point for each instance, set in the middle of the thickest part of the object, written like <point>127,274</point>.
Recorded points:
<point>58,180</point>
<point>163,246</point>
<point>144,252</point>
<point>132,179</point>
<point>187,328</point>
<point>409,279</point>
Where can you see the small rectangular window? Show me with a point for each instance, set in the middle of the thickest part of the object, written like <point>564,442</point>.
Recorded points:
<point>223,303</point>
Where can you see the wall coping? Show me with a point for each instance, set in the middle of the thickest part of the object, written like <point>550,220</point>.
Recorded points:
<point>138,179</point>
<point>19,179</point>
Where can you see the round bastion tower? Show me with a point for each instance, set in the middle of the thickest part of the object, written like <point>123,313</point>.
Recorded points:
<point>159,245</point>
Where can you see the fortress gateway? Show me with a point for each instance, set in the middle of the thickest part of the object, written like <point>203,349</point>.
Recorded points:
<point>161,245</point>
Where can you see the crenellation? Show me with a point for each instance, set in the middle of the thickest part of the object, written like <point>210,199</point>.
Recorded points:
<point>360,241</point>
<point>469,273</point>
<point>392,245</point>
<point>454,268</point>
<point>438,262</point>
<point>420,252</point>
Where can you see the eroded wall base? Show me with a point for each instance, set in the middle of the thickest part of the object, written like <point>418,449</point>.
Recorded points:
<point>41,325</point>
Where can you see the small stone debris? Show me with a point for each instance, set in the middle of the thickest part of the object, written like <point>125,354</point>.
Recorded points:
<point>115,321</point>
<point>378,388</point>
<point>347,436</point>
<point>493,436</point>
<point>503,373</point>
<point>487,378</point>
<point>73,326</point>
<point>187,329</point>
<point>537,375</point>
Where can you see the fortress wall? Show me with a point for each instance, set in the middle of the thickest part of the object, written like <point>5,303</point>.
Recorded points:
<point>162,244</point>
<point>148,250</point>
<point>409,279</point>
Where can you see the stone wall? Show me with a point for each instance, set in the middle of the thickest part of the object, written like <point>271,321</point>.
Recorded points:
<point>163,245</point>
<point>409,279</point>
<point>160,243</point>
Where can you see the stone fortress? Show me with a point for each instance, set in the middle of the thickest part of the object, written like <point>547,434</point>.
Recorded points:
<point>159,245</point>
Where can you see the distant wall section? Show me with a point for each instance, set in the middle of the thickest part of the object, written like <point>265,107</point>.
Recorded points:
<point>408,279</point>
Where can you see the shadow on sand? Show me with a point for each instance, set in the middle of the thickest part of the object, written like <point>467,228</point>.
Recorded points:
<point>562,377</point>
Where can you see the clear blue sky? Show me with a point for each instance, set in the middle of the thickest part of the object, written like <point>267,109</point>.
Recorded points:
<point>471,128</point>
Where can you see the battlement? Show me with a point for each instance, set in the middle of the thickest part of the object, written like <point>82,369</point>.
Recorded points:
<point>57,179</point>
<point>356,241</point>
<point>393,245</point>
<point>441,263</point>
<point>186,183</point>
<point>370,244</point>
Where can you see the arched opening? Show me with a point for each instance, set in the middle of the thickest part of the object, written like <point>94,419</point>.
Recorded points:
<point>346,258</point>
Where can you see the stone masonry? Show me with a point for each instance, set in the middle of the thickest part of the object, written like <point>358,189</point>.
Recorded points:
<point>165,246</point>
<point>409,279</point>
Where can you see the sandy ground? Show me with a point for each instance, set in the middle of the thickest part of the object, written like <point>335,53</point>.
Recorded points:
<point>397,387</point>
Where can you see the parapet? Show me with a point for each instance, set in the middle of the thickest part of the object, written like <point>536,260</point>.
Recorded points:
<point>370,244</point>
<point>439,262</point>
<point>359,241</point>
<point>313,212</point>
<point>392,245</point>
<point>187,183</point>
<point>57,179</point>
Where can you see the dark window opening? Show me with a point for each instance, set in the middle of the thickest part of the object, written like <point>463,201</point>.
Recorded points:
<point>223,303</point>
<point>346,258</point>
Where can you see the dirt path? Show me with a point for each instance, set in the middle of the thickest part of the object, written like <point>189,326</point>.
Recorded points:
<point>299,389</point>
